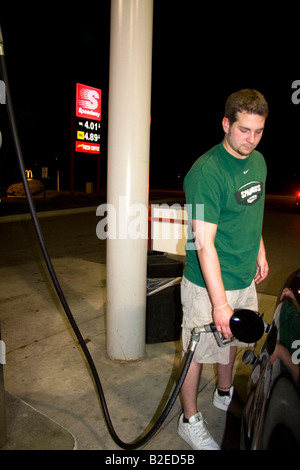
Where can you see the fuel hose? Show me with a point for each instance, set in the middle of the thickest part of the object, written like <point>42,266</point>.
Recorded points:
<point>144,439</point>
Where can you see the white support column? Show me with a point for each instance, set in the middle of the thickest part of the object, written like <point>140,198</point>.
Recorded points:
<point>128,175</point>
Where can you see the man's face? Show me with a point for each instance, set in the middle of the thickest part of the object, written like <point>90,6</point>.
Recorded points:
<point>244,134</point>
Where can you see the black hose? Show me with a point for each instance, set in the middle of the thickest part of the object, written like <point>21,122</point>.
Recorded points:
<point>62,298</point>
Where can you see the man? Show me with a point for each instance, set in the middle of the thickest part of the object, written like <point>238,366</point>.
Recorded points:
<point>229,257</point>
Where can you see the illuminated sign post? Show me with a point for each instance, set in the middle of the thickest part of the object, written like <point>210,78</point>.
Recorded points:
<point>87,128</point>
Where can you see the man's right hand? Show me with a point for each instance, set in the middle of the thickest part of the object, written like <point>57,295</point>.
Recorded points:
<point>221,318</point>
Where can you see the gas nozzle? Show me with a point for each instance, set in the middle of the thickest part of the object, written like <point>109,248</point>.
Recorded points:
<point>196,335</point>
<point>211,328</point>
<point>246,326</point>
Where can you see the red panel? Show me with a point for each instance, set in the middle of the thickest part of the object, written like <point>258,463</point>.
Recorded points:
<point>88,102</point>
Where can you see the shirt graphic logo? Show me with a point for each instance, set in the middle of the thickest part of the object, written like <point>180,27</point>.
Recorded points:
<point>249,193</point>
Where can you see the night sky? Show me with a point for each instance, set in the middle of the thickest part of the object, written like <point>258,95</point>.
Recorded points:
<point>200,56</point>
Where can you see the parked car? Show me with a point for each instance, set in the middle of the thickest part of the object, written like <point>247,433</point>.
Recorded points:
<point>271,415</point>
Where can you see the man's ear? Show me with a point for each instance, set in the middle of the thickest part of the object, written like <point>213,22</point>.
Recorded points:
<point>226,125</point>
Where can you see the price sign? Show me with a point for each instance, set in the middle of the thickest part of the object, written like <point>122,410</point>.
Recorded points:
<point>88,115</point>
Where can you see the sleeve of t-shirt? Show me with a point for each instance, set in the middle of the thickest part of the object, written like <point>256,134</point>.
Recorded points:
<point>203,195</point>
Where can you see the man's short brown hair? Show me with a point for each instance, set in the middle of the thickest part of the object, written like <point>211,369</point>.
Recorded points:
<point>247,100</point>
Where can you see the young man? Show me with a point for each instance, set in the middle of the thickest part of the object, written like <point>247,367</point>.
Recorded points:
<point>228,255</point>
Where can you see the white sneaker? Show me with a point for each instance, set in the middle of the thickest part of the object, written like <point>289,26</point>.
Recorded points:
<point>196,434</point>
<point>223,402</point>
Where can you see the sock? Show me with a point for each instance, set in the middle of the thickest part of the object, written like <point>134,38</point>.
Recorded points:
<point>223,393</point>
<point>185,420</point>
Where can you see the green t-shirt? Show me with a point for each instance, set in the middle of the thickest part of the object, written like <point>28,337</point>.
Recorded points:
<point>232,192</point>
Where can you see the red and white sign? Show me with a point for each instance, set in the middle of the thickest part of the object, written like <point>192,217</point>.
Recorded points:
<point>86,147</point>
<point>88,102</point>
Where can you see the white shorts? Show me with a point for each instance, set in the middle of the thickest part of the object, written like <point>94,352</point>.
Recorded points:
<point>197,311</point>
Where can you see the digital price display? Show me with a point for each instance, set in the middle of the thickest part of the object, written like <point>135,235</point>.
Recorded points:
<point>88,116</point>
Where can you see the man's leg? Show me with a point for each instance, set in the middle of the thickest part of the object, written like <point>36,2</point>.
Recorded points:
<point>224,391</point>
<point>225,371</point>
<point>189,389</point>
<point>191,425</point>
